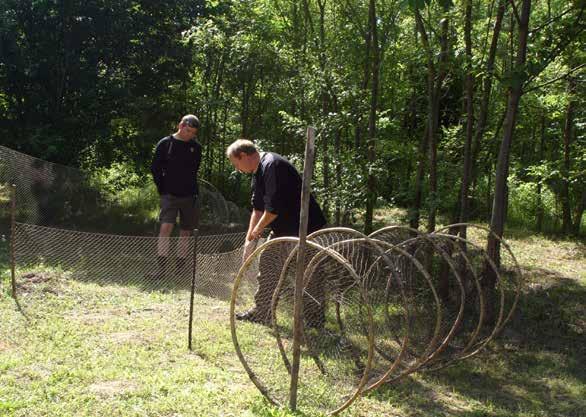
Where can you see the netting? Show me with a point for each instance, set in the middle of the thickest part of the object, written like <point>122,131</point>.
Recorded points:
<point>49,194</point>
<point>375,308</point>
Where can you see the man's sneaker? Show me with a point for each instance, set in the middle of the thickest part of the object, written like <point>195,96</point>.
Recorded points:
<point>254,316</point>
<point>158,277</point>
<point>181,268</point>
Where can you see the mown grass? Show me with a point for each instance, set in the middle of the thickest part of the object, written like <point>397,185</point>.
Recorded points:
<point>90,350</point>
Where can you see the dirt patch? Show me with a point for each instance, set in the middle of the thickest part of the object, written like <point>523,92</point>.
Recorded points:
<point>127,337</point>
<point>108,389</point>
<point>33,281</point>
<point>5,346</point>
<point>98,317</point>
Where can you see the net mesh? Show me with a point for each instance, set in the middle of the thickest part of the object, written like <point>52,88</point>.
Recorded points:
<point>49,194</point>
<point>376,308</point>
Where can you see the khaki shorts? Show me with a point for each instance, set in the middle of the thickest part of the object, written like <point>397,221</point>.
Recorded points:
<point>185,207</point>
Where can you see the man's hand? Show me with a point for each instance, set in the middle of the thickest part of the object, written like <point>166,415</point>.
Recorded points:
<point>249,247</point>
<point>256,233</point>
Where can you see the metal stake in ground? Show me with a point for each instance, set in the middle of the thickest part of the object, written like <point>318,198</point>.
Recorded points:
<point>13,239</point>
<point>13,247</point>
<point>298,305</point>
<point>194,272</point>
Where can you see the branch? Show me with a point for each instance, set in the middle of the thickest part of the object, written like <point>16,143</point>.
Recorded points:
<point>350,6</point>
<point>515,11</point>
<point>424,38</point>
<point>555,79</point>
<point>558,49</point>
<point>550,21</point>
<point>429,25</point>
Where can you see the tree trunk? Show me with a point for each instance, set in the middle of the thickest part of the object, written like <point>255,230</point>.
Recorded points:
<point>324,103</point>
<point>499,207</point>
<point>565,192</point>
<point>365,82</point>
<point>580,207</point>
<point>539,214</point>
<point>469,87</point>
<point>371,178</point>
<point>434,86</point>
<point>415,214</point>
<point>431,76</point>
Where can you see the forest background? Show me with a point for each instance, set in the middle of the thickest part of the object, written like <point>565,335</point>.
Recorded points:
<point>472,110</point>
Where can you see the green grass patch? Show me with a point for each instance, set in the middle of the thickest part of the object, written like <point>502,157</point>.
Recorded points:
<point>93,350</point>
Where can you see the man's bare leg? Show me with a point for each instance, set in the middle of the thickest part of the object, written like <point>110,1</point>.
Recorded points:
<point>163,250</point>
<point>182,252</point>
<point>183,247</point>
<point>163,243</point>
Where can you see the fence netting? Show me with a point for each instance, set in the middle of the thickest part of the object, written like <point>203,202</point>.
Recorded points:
<point>49,194</point>
<point>376,308</point>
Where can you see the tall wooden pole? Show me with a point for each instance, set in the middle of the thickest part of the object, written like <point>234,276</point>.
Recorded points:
<point>298,306</point>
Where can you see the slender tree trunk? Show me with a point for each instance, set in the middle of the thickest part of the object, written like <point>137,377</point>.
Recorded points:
<point>579,213</point>
<point>565,194</point>
<point>435,81</point>
<point>483,110</point>
<point>499,208</point>
<point>371,178</point>
<point>415,214</point>
<point>431,101</point>
<point>337,139</point>
<point>365,82</point>
<point>324,102</point>
<point>539,214</point>
<point>469,88</point>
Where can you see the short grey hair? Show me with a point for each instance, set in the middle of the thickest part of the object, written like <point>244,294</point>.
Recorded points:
<point>190,120</point>
<point>241,146</point>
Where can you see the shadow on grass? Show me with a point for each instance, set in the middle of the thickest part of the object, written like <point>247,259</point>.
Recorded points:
<point>262,408</point>
<point>535,368</point>
<point>513,232</point>
<point>4,263</point>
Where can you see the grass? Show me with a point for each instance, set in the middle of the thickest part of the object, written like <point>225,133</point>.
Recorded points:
<point>91,350</point>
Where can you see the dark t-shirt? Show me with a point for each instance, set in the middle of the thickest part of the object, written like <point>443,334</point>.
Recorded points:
<point>175,166</point>
<point>276,188</point>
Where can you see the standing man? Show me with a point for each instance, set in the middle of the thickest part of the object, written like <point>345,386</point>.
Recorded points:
<point>174,167</point>
<point>276,203</point>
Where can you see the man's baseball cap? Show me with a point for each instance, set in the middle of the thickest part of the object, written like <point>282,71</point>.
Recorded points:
<point>191,121</point>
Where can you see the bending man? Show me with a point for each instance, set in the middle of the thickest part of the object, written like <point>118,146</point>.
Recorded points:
<point>276,202</point>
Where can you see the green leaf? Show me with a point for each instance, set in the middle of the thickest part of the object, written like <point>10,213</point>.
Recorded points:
<point>446,4</point>
<point>417,4</point>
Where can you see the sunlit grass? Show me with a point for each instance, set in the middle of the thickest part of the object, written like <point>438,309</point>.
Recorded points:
<point>93,350</point>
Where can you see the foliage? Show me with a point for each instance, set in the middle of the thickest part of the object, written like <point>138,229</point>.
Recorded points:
<point>96,84</point>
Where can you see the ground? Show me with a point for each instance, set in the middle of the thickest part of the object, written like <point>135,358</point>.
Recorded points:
<point>91,350</point>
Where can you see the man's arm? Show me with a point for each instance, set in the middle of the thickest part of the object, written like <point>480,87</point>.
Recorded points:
<point>157,167</point>
<point>265,219</point>
<point>269,201</point>
<point>250,243</point>
<point>255,218</point>
<point>198,157</point>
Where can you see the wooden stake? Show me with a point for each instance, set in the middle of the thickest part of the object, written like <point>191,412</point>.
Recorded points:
<point>298,305</point>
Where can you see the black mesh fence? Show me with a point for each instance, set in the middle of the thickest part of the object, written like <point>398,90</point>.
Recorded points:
<point>375,308</point>
<point>49,194</point>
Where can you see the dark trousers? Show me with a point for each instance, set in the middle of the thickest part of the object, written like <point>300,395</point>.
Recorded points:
<point>271,265</point>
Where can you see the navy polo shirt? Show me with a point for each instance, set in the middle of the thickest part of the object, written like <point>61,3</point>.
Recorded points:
<point>276,188</point>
